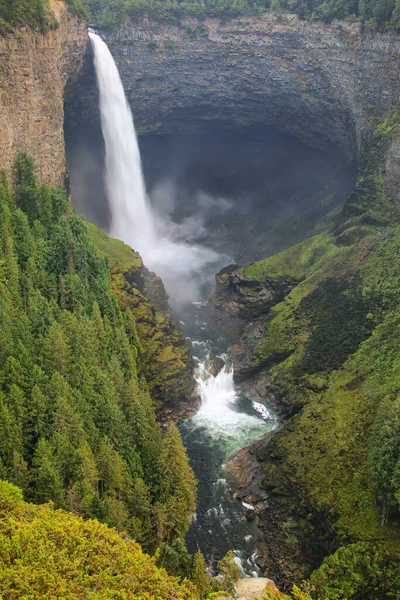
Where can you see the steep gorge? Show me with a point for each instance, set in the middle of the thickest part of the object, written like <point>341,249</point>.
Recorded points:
<point>329,86</point>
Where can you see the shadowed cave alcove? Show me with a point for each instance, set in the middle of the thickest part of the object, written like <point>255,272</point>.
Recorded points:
<point>245,190</point>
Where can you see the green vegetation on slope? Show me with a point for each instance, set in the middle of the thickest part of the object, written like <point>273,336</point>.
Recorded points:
<point>107,13</point>
<point>35,14</point>
<point>333,345</point>
<point>164,358</point>
<point>378,14</point>
<point>77,422</point>
<point>47,553</point>
<point>331,351</point>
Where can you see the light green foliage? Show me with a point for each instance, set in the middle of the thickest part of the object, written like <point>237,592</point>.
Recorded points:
<point>299,261</point>
<point>35,14</point>
<point>229,572</point>
<point>77,423</point>
<point>178,486</point>
<point>199,576</point>
<point>47,553</point>
<point>357,571</point>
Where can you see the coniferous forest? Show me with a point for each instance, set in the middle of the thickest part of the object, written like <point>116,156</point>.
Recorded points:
<point>77,422</point>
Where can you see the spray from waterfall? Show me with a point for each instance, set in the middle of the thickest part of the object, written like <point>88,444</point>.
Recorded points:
<point>132,217</point>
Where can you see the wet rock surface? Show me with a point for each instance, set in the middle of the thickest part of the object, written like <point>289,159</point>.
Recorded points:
<point>279,513</point>
<point>245,298</point>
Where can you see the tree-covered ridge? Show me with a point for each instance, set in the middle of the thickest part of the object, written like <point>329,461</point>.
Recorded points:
<point>378,14</point>
<point>77,423</point>
<point>164,359</point>
<point>47,553</point>
<point>35,14</point>
<point>107,13</point>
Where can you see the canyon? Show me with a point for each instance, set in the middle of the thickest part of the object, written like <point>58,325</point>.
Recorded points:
<point>334,88</point>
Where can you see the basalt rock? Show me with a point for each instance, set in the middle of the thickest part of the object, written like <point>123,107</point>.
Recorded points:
<point>215,365</point>
<point>321,82</point>
<point>280,513</point>
<point>34,70</point>
<point>245,298</point>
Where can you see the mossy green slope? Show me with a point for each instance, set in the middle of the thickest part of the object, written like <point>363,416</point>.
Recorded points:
<point>330,349</point>
<point>164,359</point>
<point>47,553</point>
<point>329,329</point>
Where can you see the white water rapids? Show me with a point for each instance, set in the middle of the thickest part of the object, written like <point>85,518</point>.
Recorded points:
<point>225,422</point>
<point>132,218</point>
<point>219,410</point>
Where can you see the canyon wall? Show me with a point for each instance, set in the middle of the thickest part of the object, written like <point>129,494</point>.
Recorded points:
<point>324,83</point>
<point>34,69</point>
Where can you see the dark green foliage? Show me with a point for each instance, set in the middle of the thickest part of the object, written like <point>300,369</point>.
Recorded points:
<point>359,570</point>
<point>337,312</point>
<point>35,14</point>
<point>110,12</point>
<point>175,558</point>
<point>379,14</point>
<point>77,424</point>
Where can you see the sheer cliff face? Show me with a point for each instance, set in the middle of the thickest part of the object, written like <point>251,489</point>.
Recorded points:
<point>34,69</point>
<point>320,82</point>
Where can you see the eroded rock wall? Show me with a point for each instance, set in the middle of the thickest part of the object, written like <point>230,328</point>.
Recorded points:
<point>321,82</point>
<point>34,69</point>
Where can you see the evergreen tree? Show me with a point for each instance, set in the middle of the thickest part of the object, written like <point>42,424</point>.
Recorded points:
<point>179,484</point>
<point>46,476</point>
<point>229,572</point>
<point>199,576</point>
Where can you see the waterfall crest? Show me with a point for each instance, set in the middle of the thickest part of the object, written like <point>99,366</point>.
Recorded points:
<point>132,217</point>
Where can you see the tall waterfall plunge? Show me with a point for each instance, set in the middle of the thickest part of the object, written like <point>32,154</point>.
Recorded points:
<point>225,422</point>
<point>132,218</point>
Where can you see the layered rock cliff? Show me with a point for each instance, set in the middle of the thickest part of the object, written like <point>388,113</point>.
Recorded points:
<point>321,82</point>
<point>34,69</point>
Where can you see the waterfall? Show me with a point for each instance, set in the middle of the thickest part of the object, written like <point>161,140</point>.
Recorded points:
<point>132,217</point>
<point>219,410</point>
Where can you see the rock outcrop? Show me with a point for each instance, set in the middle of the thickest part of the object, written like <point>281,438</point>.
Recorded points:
<point>252,588</point>
<point>323,83</point>
<point>248,298</point>
<point>34,69</point>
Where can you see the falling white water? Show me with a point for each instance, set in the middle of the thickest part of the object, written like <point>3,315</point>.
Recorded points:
<point>220,412</point>
<point>132,218</point>
<point>124,179</point>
